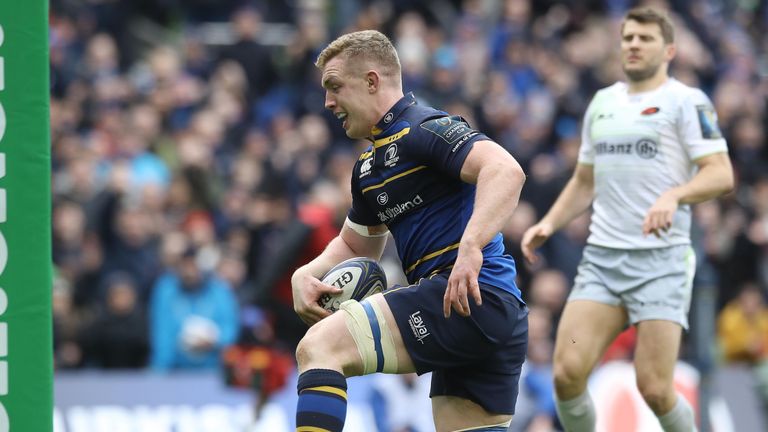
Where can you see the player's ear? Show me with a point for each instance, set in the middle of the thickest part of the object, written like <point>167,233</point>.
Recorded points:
<point>372,81</point>
<point>669,51</point>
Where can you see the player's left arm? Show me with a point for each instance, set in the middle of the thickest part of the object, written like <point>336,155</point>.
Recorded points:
<point>702,140</point>
<point>499,180</point>
<point>714,178</point>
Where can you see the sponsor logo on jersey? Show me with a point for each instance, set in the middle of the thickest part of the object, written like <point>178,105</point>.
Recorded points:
<point>365,167</point>
<point>388,118</point>
<point>646,149</point>
<point>650,111</point>
<point>418,327</point>
<point>390,155</point>
<point>613,148</point>
<point>391,212</point>
<point>382,198</point>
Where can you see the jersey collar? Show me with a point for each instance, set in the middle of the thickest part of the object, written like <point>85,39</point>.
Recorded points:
<point>393,113</point>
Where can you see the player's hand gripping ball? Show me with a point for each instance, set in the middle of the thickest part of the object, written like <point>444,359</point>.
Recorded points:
<point>357,277</point>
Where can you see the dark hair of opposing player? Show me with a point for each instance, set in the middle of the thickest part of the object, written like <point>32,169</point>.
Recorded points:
<point>645,15</point>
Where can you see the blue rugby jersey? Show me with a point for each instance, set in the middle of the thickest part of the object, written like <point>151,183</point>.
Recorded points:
<point>409,179</point>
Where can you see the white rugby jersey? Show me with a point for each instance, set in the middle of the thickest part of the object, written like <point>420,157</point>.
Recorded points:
<point>641,145</point>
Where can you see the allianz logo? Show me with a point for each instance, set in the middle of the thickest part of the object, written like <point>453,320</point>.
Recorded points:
<point>391,212</point>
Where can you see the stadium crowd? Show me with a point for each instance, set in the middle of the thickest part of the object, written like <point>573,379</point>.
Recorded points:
<point>194,167</point>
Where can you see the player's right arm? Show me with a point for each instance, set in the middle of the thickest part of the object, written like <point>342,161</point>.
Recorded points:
<point>354,240</point>
<point>575,198</point>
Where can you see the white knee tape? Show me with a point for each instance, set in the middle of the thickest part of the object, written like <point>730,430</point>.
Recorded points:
<point>372,336</point>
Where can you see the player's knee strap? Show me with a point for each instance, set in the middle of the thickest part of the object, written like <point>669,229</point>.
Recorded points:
<point>372,336</point>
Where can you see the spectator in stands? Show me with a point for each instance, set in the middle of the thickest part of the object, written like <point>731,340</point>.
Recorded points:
<point>548,290</point>
<point>67,351</point>
<point>536,404</point>
<point>254,57</point>
<point>742,327</point>
<point>193,316</point>
<point>117,337</point>
<point>743,334</point>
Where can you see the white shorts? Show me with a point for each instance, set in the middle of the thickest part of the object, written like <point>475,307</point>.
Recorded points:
<point>651,284</point>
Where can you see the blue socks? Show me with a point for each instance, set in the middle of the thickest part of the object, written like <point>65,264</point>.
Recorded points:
<point>322,405</point>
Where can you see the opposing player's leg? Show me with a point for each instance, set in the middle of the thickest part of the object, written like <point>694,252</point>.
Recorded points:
<point>585,330</point>
<point>360,338</point>
<point>660,311</point>
<point>658,343</point>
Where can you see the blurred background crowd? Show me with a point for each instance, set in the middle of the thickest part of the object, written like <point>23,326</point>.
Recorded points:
<point>194,166</point>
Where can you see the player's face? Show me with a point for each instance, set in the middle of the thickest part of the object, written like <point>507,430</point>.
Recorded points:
<point>643,50</point>
<point>347,95</point>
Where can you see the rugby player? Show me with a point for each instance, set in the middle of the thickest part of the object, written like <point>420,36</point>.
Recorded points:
<point>650,147</point>
<point>443,190</point>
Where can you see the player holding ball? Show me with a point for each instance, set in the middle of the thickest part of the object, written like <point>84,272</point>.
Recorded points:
<point>443,190</point>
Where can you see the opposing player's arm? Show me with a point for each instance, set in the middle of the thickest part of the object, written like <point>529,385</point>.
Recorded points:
<point>575,198</point>
<point>354,240</point>
<point>702,139</point>
<point>578,193</point>
<point>714,178</point>
<point>499,179</point>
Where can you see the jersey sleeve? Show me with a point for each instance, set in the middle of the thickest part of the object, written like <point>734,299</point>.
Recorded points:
<point>587,148</point>
<point>698,127</point>
<point>444,143</point>
<point>360,213</point>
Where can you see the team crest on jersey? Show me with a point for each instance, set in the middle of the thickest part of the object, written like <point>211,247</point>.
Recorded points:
<point>365,167</point>
<point>708,122</point>
<point>650,111</point>
<point>390,155</point>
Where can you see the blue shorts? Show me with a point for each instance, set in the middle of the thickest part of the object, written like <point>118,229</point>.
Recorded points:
<point>478,357</point>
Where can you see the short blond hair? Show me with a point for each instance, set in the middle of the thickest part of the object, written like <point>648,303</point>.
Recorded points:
<point>370,46</point>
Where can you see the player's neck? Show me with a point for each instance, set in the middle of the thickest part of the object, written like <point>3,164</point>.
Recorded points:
<point>647,85</point>
<point>388,99</point>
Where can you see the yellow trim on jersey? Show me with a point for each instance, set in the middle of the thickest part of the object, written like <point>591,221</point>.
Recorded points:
<point>365,155</point>
<point>311,429</point>
<point>432,255</point>
<point>438,270</point>
<point>395,177</point>
<point>390,291</point>
<point>384,141</point>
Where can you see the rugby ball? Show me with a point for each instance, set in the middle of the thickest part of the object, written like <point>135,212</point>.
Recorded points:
<point>357,277</point>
